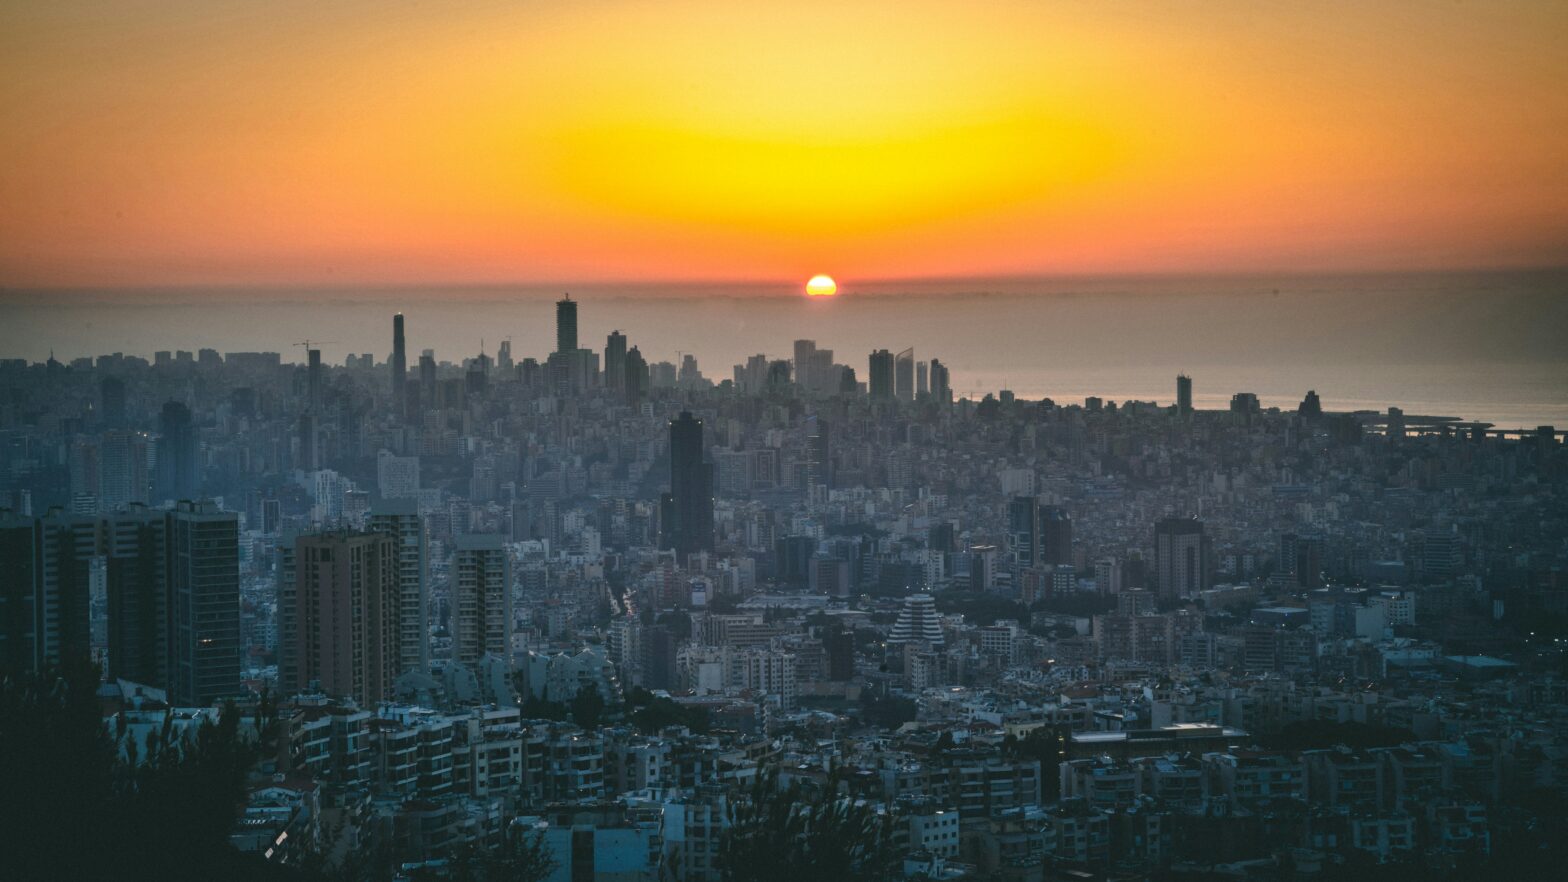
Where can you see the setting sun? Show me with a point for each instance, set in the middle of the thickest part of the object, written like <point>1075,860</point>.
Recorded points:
<point>821,286</point>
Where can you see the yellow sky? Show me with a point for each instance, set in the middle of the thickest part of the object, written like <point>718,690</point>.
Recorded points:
<point>284,142</point>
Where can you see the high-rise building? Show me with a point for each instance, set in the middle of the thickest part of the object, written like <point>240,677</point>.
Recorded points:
<point>941,383</point>
<point>819,453</point>
<point>904,375</point>
<point>309,442</point>
<point>399,366</point>
<point>687,510</point>
<point>481,599</point>
<point>314,379</point>
<point>922,379</point>
<point>122,470</point>
<point>881,376</point>
<point>19,573</point>
<point>566,324</point>
<point>1179,558</point>
<point>615,361</point>
<point>111,392</point>
<point>1183,394</point>
<point>178,467</point>
<point>344,616</point>
<point>805,351</point>
<point>137,589</point>
<point>918,620</point>
<point>1056,536</point>
<point>1023,530</point>
<point>1311,406</point>
<point>427,377</point>
<point>204,604</point>
<point>399,518</point>
<point>636,384</point>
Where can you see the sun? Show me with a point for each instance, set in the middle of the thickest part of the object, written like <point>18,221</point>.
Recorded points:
<point>821,286</point>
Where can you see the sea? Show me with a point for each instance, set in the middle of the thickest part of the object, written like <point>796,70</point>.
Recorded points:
<point>1483,346</point>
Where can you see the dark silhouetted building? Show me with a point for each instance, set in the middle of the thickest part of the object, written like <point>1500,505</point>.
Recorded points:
<point>1056,536</point>
<point>1183,394</point>
<point>687,510</point>
<point>615,361</point>
<point>566,325</point>
<point>1178,558</point>
<point>881,376</point>
<point>178,468</point>
<point>111,394</point>
<point>904,375</point>
<point>399,366</point>
<point>204,604</point>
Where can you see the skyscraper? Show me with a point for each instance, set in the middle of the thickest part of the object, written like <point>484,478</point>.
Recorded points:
<point>111,392</point>
<point>1183,394</point>
<point>204,604</point>
<point>122,470</point>
<point>804,352</point>
<point>615,361</point>
<point>399,367</point>
<point>481,599</point>
<point>314,379</point>
<point>636,383</point>
<point>1023,530</point>
<point>178,469</point>
<point>941,383</point>
<point>399,519</point>
<point>566,324</point>
<point>1056,536</point>
<point>881,376</point>
<point>137,588</point>
<point>1178,557</point>
<point>343,616</point>
<point>688,507</point>
<point>19,572</point>
<point>904,375</point>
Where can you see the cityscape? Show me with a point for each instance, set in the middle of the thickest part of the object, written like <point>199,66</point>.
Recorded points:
<point>842,440</point>
<point>599,600</point>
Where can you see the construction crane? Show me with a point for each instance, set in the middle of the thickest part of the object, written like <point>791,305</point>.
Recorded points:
<point>310,344</point>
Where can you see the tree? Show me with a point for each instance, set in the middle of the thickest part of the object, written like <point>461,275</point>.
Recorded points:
<point>780,835</point>
<point>522,856</point>
<point>588,707</point>
<point>73,807</point>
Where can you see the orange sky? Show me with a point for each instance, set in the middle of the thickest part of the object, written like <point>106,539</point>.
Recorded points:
<point>287,142</point>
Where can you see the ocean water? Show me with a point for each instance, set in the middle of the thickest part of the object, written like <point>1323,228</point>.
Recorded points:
<point>1482,346</point>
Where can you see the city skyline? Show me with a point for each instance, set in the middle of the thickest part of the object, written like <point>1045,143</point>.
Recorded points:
<point>843,440</point>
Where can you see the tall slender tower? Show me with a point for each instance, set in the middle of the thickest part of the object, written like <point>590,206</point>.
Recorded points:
<point>615,361</point>
<point>904,375</point>
<point>881,379</point>
<point>178,469</point>
<point>1183,394</point>
<point>399,366</point>
<point>204,603</point>
<point>566,324</point>
<point>688,508</point>
<point>399,518</point>
<point>481,599</point>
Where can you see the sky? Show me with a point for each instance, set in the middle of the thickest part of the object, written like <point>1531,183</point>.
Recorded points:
<point>287,143</point>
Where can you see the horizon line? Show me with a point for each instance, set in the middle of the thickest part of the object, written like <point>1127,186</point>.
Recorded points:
<point>703,283</point>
